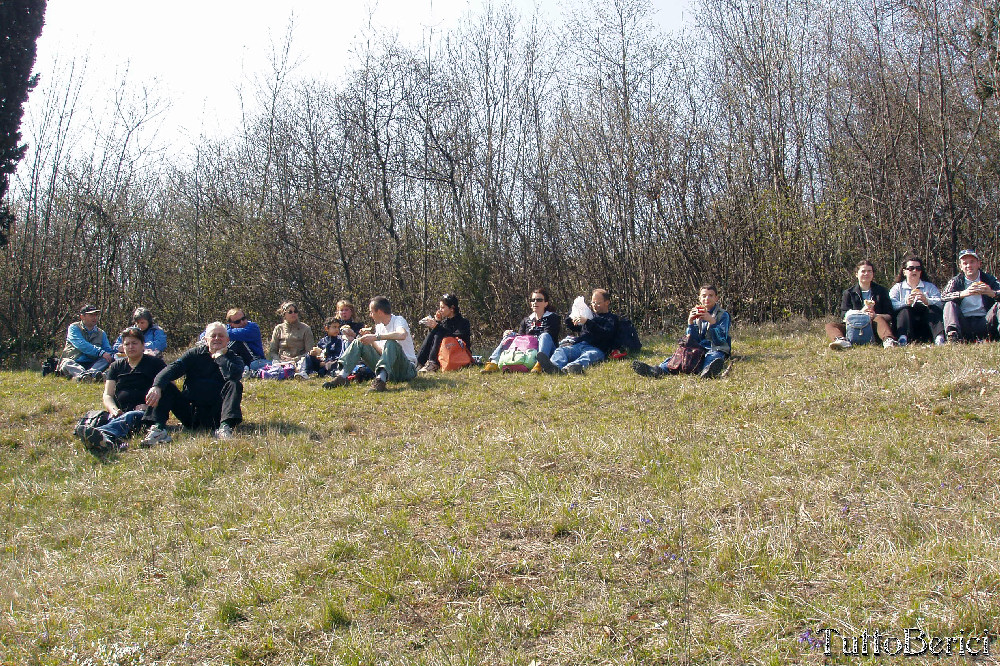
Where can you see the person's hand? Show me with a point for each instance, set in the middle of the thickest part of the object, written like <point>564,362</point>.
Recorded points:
<point>367,339</point>
<point>578,320</point>
<point>508,333</point>
<point>115,413</point>
<point>107,357</point>
<point>153,396</point>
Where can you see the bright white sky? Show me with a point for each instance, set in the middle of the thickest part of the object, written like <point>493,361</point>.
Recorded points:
<point>199,54</point>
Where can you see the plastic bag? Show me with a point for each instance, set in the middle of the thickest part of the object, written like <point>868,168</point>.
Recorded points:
<point>581,309</point>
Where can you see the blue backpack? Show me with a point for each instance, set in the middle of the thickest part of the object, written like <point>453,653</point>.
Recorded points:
<point>859,327</point>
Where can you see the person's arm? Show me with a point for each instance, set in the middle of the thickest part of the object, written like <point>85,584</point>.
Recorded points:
<point>308,340</point>
<point>75,337</point>
<point>952,290</point>
<point>568,323</point>
<point>845,303</point>
<point>551,324</point>
<point>458,327</point>
<point>896,296</point>
<point>231,366</point>
<point>158,342</point>
<point>718,333</point>
<point>117,347</point>
<point>109,398</point>
<point>933,295</point>
<point>272,351</point>
<point>174,371</point>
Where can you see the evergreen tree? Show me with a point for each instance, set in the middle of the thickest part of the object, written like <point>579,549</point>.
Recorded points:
<point>20,25</point>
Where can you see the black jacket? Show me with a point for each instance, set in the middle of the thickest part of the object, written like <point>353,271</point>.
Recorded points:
<point>599,331</point>
<point>851,299</point>
<point>202,374</point>
<point>549,323</point>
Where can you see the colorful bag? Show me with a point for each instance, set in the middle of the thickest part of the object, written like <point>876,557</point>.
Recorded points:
<point>453,354</point>
<point>278,370</point>
<point>521,355</point>
<point>687,358</point>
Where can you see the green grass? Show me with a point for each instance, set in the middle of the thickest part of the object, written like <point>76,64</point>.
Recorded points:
<point>516,519</point>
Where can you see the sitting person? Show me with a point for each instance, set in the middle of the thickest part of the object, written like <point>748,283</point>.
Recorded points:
<point>128,381</point>
<point>212,390</point>
<point>917,303</point>
<point>291,340</point>
<point>87,352</point>
<point>708,327</point>
<point>388,350</point>
<point>245,339</point>
<point>592,345</point>
<point>870,298</point>
<point>970,302</point>
<point>327,351</point>
<point>543,323</point>
<point>446,322</point>
<point>345,316</point>
<point>154,337</point>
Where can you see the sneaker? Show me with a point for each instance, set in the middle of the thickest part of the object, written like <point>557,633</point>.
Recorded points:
<point>903,341</point>
<point>98,376</point>
<point>953,338</point>
<point>713,369</point>
<point>84,378</point>
<point>490,367</point>
<point>546,364</point>
<point>430,366</point>
<point>840,344</point>
<point>536,369</point>
<point>939,340</point>
<point>890,342</point>
<point>301,375</point>
<point>156,435</point>
<point>647,370</point>
<point>336,382</point>
<point>574,369</point>
<point>378,385</point>
<point>224,431</point>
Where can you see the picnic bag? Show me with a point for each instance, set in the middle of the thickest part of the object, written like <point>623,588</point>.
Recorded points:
<point>453,354</point>
<point>858,326</point>
<point>687,358</point>
<point>278,370</point>
<point>95,418</point>
<point>521,355</point>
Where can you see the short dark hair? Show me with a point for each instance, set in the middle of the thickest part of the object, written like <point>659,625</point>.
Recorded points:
<point>329,321</point>
<point>381,303</point>
<point>143,313</point>
<point>605,294</point>
<point>709,286</point>
<point>544,292</point>
<point>132,332</point>
<point>864,262</point>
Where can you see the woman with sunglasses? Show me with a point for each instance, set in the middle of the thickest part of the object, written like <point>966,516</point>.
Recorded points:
<point>446,322</point>
<point>543,322</point>
<point>917,305</point>
<point>291,340</point>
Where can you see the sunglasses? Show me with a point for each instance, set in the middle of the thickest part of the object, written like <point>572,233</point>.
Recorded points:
<point>236,321</point>
<point>914,268</point>
<point>537,300</point>
<point>291,311</point>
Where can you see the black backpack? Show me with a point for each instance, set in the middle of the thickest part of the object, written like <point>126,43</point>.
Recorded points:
<point>626,337</point>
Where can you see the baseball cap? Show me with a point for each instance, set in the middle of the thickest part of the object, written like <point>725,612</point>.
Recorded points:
<point>964,253</point>
<point>89,309</point>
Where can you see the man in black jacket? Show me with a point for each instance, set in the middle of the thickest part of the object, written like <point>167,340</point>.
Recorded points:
<point>970,302</point>
<point>212,389</point>
<point>593,343</point>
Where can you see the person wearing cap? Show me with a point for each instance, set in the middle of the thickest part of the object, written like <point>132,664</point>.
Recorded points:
<point>970,302</point>
<point>87,352</point>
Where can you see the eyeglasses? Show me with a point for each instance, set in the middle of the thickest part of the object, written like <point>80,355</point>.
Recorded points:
<point>536,300</point>
<point>914,268</point>
<point>236,321</point>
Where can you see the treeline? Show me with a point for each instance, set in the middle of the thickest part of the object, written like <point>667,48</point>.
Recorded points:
<point>766,149</point>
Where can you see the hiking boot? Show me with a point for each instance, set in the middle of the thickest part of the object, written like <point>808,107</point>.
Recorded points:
<point>96,442</point>
<point>301,376</point>
<point>713,369</point>
<point>840,344</point>
<point>224,431</point>
<point>546,364</point>
<point>336,382</point>
<point>430,366</point>
<point>903,341</point>
<point>156,435</point>
<point>890,342</point>
<point>647,370</point>
<point>953,338</point>
<point>490,367</point>
<point>378,385</point>
<point>536,369</point>
<point>573,369</point>
<point>84,377</point>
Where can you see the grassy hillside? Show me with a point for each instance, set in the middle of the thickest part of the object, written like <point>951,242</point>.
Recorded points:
<point>517,519</point>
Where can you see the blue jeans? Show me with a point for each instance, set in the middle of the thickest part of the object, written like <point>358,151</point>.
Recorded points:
<point>581,353</point>
<point>710,356</point>
<point>122,425</point>
<point>545,344</point>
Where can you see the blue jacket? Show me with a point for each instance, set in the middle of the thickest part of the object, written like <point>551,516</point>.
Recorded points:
<point>714,337</point>
<point>248,335</point>
<point>155,339</point>
<point>85,346</point>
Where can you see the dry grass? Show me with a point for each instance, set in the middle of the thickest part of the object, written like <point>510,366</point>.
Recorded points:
<point>516,519</point>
